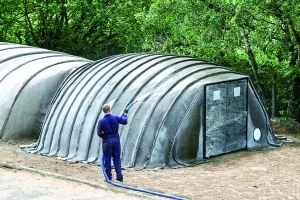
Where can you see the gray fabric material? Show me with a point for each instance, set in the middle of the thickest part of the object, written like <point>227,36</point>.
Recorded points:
<point>29,78</point>
<point>187,110</point>
<point>166,127</point>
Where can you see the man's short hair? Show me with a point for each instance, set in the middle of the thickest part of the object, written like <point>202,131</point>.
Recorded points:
<point>106,108</point>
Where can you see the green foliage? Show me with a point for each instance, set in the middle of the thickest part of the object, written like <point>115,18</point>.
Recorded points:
<point>93,29</point>
<point>207,29</point>
<point>283,116</point>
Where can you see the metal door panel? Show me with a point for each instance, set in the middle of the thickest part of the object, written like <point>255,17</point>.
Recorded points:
<point>226,115</point>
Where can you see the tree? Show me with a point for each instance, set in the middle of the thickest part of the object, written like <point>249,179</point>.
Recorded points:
<point>274,37</point>
<point>258,38</point>
<point>89,28</point>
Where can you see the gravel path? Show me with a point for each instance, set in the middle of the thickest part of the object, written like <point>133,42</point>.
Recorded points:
<point>270,174</point>
<point>19,185</point>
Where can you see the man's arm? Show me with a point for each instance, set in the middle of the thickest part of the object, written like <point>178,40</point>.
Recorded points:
<point>99,130</point>
<point>123,119</point>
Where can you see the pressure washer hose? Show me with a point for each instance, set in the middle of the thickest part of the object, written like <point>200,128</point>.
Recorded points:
<point>130,187</point>
<point>134,188</point>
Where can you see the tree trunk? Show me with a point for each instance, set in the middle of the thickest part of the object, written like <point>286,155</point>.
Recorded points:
<point>295,59</point>
<point>294,103</point>
<point>273,110</point>
<point>30,24</point>
<point>254,65</point>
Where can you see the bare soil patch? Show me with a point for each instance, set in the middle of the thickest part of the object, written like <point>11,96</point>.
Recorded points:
<point>270,174</point>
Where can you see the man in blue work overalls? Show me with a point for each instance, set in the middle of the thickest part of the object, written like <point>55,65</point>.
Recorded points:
<point>107,129</point>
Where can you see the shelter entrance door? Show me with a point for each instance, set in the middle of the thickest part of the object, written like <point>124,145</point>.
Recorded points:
<point>226,117</point>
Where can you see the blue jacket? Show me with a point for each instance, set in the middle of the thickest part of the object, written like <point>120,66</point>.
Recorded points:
<point>109,125</point>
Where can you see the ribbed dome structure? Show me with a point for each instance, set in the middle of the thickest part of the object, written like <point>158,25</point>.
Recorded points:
<point>29,77</point>
<point>187,110</point>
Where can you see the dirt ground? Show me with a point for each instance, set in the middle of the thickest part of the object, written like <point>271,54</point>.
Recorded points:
<point>270,174</point>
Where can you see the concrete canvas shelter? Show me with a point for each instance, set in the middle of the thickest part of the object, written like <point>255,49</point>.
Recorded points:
<point>187,110</point>
<point>29,77</point>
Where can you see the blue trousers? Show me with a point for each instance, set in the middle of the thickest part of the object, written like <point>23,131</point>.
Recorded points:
<point>112,150</point>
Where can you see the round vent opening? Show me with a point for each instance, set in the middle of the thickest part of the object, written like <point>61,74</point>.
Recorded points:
<point>257,134</point>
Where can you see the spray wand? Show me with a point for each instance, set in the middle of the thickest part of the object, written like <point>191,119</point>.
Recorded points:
<point>128,107</point>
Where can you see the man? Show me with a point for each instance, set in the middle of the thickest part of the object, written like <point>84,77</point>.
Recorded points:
<point>107,129</point>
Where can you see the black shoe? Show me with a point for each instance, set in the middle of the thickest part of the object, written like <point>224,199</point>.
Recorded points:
<point>120,179</point>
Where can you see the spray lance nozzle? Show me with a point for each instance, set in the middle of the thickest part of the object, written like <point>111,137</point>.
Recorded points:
<point>129,106</point>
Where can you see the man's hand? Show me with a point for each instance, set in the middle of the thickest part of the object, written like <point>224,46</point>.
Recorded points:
<point>126,111</point>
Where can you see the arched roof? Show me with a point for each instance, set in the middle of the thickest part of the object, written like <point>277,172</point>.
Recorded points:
<point>164,125</point>
<point>29,77</point>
